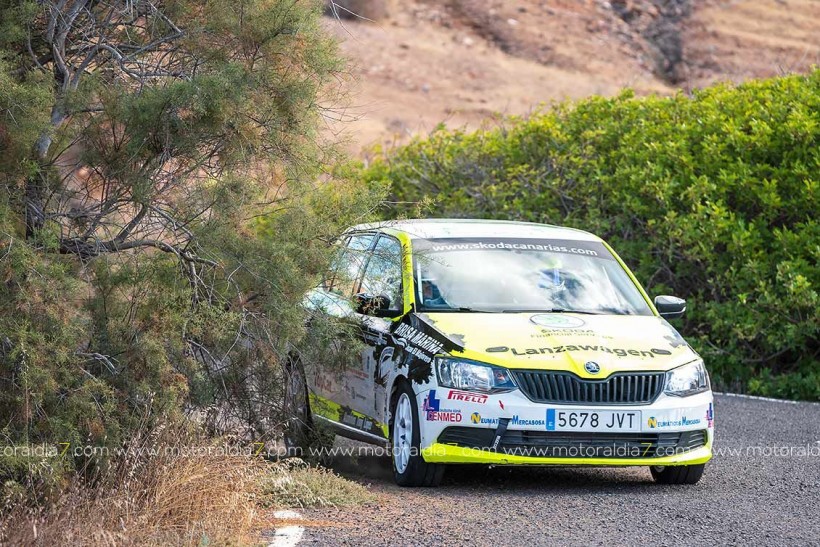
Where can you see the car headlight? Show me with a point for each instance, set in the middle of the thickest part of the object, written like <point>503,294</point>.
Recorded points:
<point>473,376</point>
<point>687,380</point>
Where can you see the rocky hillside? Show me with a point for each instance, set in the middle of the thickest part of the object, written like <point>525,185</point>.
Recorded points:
<point>464,62</point>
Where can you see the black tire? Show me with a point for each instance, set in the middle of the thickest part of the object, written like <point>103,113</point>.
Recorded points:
<point>677,474</point>
<point>416,471</point>
<point>302,437</point>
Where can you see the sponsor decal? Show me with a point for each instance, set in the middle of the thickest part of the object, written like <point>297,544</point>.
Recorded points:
<point>359,422</point>
<point>434,413</point>
<point>587,248</point>
<point>431,404</point>
<point>466,396</point>
<point>520,421</point>
<point>325,383</point>
<point>477,418</point>
<point>653,422</point>
<point>497,349</point>
<point>673,337</point>
<point>592,367</point>
<point>557,321</point>
<point>444,416</point>
<point>420,345</point>
<point>618,352</point>
<point>358,374</point>
<point>416,343</point>
<point>385,365</point>
<point>354,394</point>
<point>710,416</point>
<point>501,404</point>
<point>574,333</point>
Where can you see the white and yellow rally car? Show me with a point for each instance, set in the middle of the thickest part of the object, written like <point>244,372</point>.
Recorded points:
<point>508,343</point>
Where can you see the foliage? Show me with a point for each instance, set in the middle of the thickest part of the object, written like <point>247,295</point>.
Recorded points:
<point>713,197</point>
<point>163,210</point>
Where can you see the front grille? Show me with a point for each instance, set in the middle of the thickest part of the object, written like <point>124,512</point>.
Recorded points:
<point>552,444</point>
<point>544,386</point>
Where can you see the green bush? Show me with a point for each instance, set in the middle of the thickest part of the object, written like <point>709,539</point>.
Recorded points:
<point>163,210</point>
<point>712,197</point>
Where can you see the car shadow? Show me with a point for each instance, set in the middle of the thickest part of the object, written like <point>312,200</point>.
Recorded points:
<point>378,470</point>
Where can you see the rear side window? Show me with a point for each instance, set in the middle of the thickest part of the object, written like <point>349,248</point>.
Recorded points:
<point>346,276</point>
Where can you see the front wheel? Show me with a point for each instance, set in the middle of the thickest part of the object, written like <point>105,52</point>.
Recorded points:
<point>409,468</point>
<point>677,474</point>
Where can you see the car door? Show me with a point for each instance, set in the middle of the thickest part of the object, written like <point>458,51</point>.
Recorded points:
<point>382,279</point>
<point>369,266</point>
<point>338,392</point>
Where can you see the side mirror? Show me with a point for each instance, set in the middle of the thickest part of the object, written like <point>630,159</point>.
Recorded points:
<point>378,306</point>
<point>670,307</point>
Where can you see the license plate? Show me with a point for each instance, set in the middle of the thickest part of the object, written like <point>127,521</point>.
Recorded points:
<point>593,420</point>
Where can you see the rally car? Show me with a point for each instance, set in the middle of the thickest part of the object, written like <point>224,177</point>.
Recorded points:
<point>507,343</point>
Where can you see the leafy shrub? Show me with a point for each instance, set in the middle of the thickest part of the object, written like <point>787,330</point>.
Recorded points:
<point>162,213</point>
<point>713,197</point>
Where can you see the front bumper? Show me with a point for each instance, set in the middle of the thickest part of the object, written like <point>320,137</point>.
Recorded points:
<point>461,429</point>
<point>443,453</point>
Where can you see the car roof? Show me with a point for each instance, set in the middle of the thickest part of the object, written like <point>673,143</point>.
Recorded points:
<point>458,228</point>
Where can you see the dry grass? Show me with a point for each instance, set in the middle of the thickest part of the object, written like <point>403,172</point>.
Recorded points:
<point>293,483</point>
<point>152,495</point>
<point>209,496</point>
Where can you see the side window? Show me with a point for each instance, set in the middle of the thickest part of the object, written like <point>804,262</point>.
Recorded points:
<point>346,276</point>
<point>383,274</point>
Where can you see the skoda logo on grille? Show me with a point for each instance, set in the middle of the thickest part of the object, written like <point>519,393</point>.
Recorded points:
<point>592,367</point>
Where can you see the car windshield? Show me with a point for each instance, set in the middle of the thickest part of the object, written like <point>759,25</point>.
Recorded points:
<point>518,275</point>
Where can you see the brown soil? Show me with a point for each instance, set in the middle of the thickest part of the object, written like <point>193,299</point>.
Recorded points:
<point>467,62</point>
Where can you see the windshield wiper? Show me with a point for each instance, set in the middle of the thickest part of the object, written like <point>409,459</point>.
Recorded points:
<point>453,310</point>
<point>471,310</point>
<point>552,310</point>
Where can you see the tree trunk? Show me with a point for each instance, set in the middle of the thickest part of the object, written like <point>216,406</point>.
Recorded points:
<point>36,183</point>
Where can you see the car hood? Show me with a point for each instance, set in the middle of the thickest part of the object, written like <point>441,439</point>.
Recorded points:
<point>565,341</point>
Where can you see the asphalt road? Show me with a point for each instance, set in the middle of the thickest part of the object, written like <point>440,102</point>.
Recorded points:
<point>767,495</point>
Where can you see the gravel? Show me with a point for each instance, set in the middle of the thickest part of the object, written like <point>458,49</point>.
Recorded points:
<point>747,495</point>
